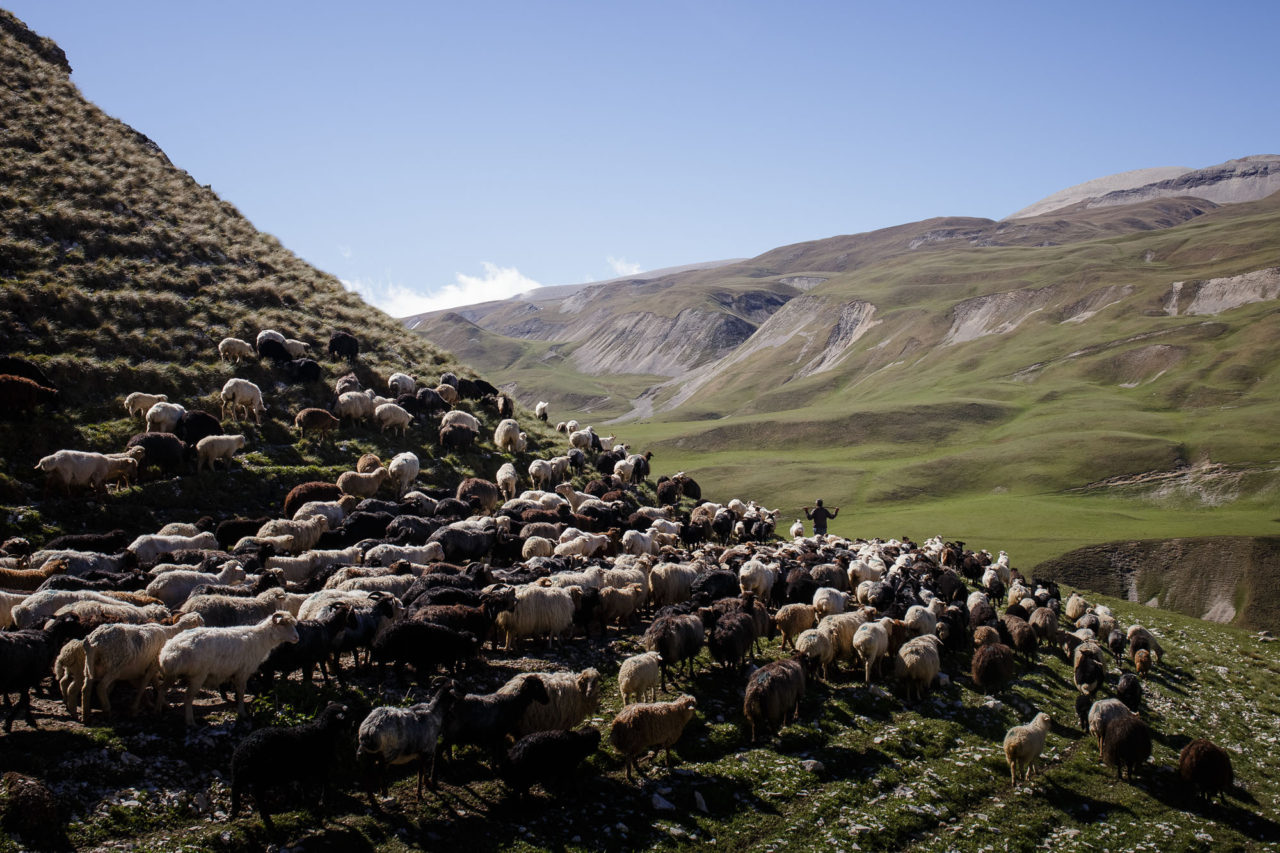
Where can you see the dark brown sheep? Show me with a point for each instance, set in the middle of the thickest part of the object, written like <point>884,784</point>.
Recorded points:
<point>992,667</point>
<point>773,695</point>
<point>1206,766</point>
<point>20,395</point>
<point>315,420</point>
<point>312,491</point>
<point>1126,743</point>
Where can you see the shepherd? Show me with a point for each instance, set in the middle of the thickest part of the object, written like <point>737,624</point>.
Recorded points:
<point>819,515</point>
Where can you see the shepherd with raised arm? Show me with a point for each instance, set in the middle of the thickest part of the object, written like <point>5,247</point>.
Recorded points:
<point>819,515</point>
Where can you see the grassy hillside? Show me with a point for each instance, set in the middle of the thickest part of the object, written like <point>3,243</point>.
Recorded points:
<point>118,273</point>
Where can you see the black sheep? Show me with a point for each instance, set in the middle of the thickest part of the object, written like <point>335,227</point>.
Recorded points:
<point>549,758</point>
<point>307,492</point>
<point>1116,641</point>
<point>457,437</point>
<point>364,524</point>
<point>773,695</point>
<point>715,585</point>
<point>1126,743</point>
<point>21,367</point>
<point>306,754</point>
<point>1129,691</point>
<point>690,487</point>
<point>364,622</point>
<point>275,351</point>
<point>668,492</point>
<point>800,587</point>
<point>20,395</point>
<point>101,543</point>
<point>317,639</point>
<point>344,345</point>
<point>731,639</point>
<point>449,378</point>
<point>992,667</point>
<point>231,531</point>
<point>195,425</point>
<point>676,637</point>
<point>301,371</point>
<point>425,647</point>
<point>430,402</point>
<point>1206,766</point>
<point>486,720</point>
<point>1083,703</point>
<point>26,659</point>
<point>1088,675</point>
<point>410,530</point>
<point>164,451</point>
<point>463,545</point>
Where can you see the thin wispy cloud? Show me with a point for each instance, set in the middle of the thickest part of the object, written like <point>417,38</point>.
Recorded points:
<point>401,300</point>
<point>345,251</point>
<point>622,266</point>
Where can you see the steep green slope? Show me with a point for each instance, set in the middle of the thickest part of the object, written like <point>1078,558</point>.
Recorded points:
<point>119,273</point>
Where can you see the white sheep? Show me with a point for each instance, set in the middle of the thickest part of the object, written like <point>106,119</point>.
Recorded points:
<point>635,542</point>
<point>222,611</point>
<point>920,621</point>
<point>332,510</point>
<point>541,474</point>
<point>403,469</point>
<point>354,405</point>
<point>1023,744</point>
<point>466,419</point>
<point>538,610</point>
<point>75,468</point>
<point>300,535</point>
<point>817,649</point>
<point>164,417</point>
<point>362,485</point>
<point>269,335</point>
<point>840,628</point>
<point>126,653</point>
<point>506,435</point>
<point>918,663</point>
<point>671,583</point>
<point>394,417</point>
<point>508,480</point>
<point>794,619</point>
<point>537,546</point>
<point>213,448</point>
<point>216,655</point>
<point>296,348</point>
<point>68,671</point>
<point>448,393</point>
<point>385,554</point>
<point>540,410</point>
<point>43,604</point>
<point>400,383</point>
<point>235,350</point>
<point>238,394</point>
<point>623,469</point>
<point>137,403</point>
<point>149,546</point>
<point>797,529</point>
<point>828,600</point>
<point>871,642</point>
<point>9,600</point>
<point>757,577</point>
<point>572,697</point>
<point>639,677</point>
<point>172,588</point>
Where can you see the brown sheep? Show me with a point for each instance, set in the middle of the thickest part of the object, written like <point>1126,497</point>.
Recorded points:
<point>316,420</point>
<point>992,667</point>
<point>20,395</point>
<point>1206,766</point>
<point>306,492</point>
<point>650,725</point>
<point>29,580</point>
<point>486,494</point>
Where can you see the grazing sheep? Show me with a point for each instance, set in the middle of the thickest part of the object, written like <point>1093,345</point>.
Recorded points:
<point>344,345</point>
<point>401,383</point>
<point>213,448</point>
<point>1023,745</point>
<point>26,659</point>
<point>393,417</point>
<point>239,394</point>
<point>149,546</point>
<point>161,450</point>
<point>1142,662</point>
<point>1126,743</point>
<point>573,696</point>
<point>773,695</point>
<point>235,350</point>
<point>539,610</point>
<point>25,580</point>
<point>818,652</point>
<point>362,485</point>
<point>508,480</point>
<point>137,403</point>
<point>216,655</point>
<point>1102,714</point>
<point>656,725</point>
<point>68,672</point>
<point>1207,767</point>
<point>355,405</point>
<point>992,667</point>
<point>315,420</point>
<point>676,638</point>
<point>447,392</point>
<point>164,417</point>
<point>390,736</point>
<point>549,758</point>
<point>461,418</point>
<point>540,410</point>
<point>486,720</point>
<point>919,662</point>
<point>638,677</point>
<point>506,436</point>
<point>1129,691</point>
<point>126,653</point>
<point>425,646</point>
<point>74,468</point>
<point>871,642</point>
<point>457,436</point>
<point>1141,638</point>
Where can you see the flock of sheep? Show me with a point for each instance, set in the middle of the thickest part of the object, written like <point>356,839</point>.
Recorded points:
<point>427,578</point>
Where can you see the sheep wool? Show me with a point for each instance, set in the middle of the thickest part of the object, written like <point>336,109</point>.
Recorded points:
<point>645,726</point>
<point>1023,745</point>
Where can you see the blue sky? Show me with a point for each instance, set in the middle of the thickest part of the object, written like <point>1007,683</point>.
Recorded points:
<point>429,153</point>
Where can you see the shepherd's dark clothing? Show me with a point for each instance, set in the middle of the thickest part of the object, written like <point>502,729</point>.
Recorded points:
<point>819,516</point>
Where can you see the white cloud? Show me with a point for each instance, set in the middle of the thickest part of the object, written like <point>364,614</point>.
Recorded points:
<point>621,266</point>
<point>345,251</point>
<point>400,300</point>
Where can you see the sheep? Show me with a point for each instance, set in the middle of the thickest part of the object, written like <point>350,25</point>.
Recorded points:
<point>172,588</point>
<point>26,658</point>
<point>389,736</point>
<point>149,546</point>
<point>828,600</point>
<point>1075,607</point>
<point>137,403</point>
<point>487,719</point>
<point>547,757</point>
<point>393,417</point>
<point>539,610</point>
<point>1207,767</point>
<point>483,494</point>
<point>94,613</point>
<point>164,417</point>
<point>461,418</point>
<point>225,611</point>
<point>317,639</point>
<point>573,696</point>
<point>840,629</point>
<point>309,751</point>
<point>362,485</point>
<point>759,578</point>
<point>68,672</point>
<point>222,654</point>
<point>300,535</point>
<point>992,666</point>
<point>645,726</point>
<point>508,480</point>
<point>540,410</point>
<point>315,420</point>
<point>241,394</point>
<point>818,652</point>
<point>42,605</point>
<point>920,621</point>
<point>1141,638</point>
<point>671,583</point>
<point>213,448</point>
<point>619,605</point>
<point>74,468</point>
<point>386,554</point>
<point>537,546</point>
<point>344,345</point>
<point>871,642</point>
<point>424,646</point>
<point>25,580</point>
<point>506,435</point>
<point>677,638</point>
<point>1102,714</point>
<point>355,405</point>
<point>773,694</point>
<point>447,392</point>
<point>20,395</point>
<point>638,677</point>
<point>541,474</point>
<point>401,383</point>
<point>126,653</point>
<point>235,350</point>
<point>1126,743</point>
<point>1142,662</point>
<point>122,468</point>
<point>10,599</point>
<point>457,437</point>
<point>919,662</point>
<point>1023,745</point>
<point>635,542</point>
